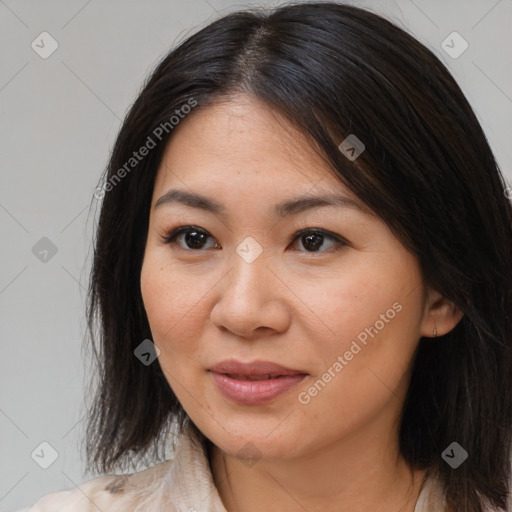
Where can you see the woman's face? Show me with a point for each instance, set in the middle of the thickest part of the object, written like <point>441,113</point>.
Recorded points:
<point>342,307</point>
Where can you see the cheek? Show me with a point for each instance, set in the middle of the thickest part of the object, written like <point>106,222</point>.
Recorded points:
<point>155,294</point>
<point>173,305</point>
<point>373,315</point>
<point>349,302</point>
<point>173,313</point>
<point>367,367</point>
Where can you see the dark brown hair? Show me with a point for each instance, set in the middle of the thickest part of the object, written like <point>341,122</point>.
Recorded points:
<point>427,171</point>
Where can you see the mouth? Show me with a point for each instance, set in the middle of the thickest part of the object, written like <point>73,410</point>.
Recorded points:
<point>254,383</point>
<point>256,370</point>
<point>241,376</point>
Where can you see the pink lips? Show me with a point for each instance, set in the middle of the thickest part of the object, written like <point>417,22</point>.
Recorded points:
<point>254,383</point>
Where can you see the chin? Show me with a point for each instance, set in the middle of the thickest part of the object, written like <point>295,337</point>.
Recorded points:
<point>248,439</point>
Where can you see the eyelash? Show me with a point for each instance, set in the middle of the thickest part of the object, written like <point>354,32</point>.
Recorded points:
<point>170,237</point>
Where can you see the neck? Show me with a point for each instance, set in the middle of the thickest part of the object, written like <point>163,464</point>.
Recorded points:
<point>347,475</point>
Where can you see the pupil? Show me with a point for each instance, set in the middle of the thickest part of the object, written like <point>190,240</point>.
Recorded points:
<point>194,239</point>
<point>311,240</point>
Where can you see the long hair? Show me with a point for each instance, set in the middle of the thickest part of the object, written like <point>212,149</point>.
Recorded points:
<point>427,170</point>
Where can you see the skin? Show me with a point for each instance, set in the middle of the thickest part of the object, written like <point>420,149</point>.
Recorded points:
<point>296,304</point>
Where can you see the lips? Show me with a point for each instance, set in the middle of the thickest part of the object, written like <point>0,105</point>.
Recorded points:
<point>254,383</point>
<point>241,376</point>
<point>254,370</point>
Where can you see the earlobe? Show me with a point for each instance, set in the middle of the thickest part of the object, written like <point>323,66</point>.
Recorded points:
<point>441,316</point>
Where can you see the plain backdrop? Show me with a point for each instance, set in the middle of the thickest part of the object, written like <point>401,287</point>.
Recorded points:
<point>59,118</point>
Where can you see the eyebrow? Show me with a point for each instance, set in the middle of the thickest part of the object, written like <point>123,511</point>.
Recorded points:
<point>283,209</point>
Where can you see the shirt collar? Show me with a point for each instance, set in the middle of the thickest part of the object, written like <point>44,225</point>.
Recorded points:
<point>192,481</point>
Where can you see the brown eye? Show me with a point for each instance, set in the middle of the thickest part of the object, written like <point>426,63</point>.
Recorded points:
<point>188,237</point>
<point>313,240</point>
<point>193,238</point>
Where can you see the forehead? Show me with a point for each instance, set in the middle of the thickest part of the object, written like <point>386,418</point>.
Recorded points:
<point>242,141</point>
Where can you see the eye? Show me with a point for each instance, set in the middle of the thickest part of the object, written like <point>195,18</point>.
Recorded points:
<point>194,239</point>
<point>313,239</point>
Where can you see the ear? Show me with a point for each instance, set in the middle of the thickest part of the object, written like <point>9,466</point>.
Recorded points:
<point>440,315</point>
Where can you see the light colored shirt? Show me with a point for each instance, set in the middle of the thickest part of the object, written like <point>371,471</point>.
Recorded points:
<point>182,484</point>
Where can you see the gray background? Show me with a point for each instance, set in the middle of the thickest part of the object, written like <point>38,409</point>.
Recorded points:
<point>59,118</point>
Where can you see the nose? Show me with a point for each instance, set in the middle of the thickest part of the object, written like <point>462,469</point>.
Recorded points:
<point>252,300</point>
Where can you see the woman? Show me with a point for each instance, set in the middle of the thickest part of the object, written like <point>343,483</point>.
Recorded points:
<point>303,261</point>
